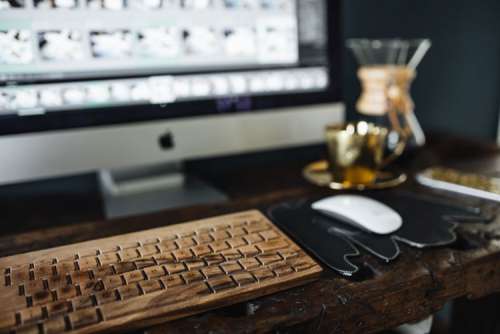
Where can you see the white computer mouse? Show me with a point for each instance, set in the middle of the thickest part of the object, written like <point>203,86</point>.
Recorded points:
<point>362,212</point>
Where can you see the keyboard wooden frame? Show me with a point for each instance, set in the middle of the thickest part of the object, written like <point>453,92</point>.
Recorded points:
<point>145,313</point>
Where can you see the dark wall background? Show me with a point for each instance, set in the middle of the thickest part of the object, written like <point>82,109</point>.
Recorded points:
<point>457,89</point>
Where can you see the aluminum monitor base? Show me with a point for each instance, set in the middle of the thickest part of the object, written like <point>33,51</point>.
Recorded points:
<point>149,189</point>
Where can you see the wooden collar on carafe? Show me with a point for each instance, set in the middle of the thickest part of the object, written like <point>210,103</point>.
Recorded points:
<point>385,88</point>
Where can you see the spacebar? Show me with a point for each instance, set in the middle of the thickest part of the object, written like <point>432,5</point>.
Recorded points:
<point>156,299</point>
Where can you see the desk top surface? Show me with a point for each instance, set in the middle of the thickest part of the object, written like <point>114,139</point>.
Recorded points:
<point>384,296</point>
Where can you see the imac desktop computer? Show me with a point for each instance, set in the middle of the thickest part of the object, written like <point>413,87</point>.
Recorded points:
<point>131,87</point>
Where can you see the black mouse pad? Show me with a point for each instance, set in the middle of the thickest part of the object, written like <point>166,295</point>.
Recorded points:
<point>427,222</point>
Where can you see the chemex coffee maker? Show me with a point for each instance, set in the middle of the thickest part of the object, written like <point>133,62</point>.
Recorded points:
<point>360,153</point>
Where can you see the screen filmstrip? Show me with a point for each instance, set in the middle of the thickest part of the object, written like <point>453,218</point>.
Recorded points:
<point>58,55</point>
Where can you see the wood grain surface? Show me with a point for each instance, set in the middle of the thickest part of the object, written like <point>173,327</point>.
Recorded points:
<point>419,283</point>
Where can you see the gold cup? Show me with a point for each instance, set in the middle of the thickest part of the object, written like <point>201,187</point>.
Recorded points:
<point>357,152</point>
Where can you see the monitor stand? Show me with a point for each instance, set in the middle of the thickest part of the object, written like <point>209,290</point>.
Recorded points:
<point>128,192</point>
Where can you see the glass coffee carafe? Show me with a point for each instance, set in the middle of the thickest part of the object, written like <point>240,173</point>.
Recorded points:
<point>387,69</point>
<point>360,153</point>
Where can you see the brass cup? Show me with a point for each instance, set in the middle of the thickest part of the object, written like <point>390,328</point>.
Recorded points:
<point>357,151</point>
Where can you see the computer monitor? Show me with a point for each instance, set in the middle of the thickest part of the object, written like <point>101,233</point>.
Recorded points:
<point>105,84</point>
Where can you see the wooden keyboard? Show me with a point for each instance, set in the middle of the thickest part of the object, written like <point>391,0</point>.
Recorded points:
<point>140,279</point>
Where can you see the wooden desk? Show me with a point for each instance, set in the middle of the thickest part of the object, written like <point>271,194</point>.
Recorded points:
<point>409,289</point>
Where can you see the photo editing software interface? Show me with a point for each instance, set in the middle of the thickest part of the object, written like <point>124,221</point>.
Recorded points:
<point>59,56</point>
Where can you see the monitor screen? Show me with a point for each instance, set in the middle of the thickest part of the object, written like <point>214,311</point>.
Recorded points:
<point>79,63</point>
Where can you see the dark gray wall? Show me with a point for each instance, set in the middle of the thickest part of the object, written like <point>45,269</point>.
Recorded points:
<point>458,85</point>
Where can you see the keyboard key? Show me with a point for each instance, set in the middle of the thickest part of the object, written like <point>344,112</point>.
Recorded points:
<point>66,292</point>
<point>174,268</point>
<point>30,315</point>
<point>214,259</point>
<point>80,277</point>
<point>87,252</point>
<point>167,245</point>
<point>109,249</point>
<point>133,276</point>
<point>192,276</point>
<point>195,264</point>
<point>221,283</point>
<point>185,242</point>
<point>109,258</point>
<point>65,257</point>
<point>301,263</point>
<point>18,276</point>
<point>82,302</point>
<point>11,300</point>
<point>150,286</point>
<point>7,319</point>
<point>168,237</point>
<point>183,254</point>
<point>154,300</point>
<point>231,267</point>
<point>152,241</point>
<point>128,291</point>
<point>289,253</point>
<point>201,250</point>
<point>42,272</point>
<point>65,267</point>
<point>144,263</point>
<point>219,246</point>
<point>281,269</point>
<point>220,235</point>
<point>204,230</point>
<point>128,254</point>
<point>54,325</point>
<point>221,227</point>
<point>91,287</point>
<point>269,258</point>
<point>249,251</point>
<point>124,267</point>
<point>32,287</point>
<point>237,242</point>
<point>57,281</point>
<point>263,274</point>
<point>210,272</point>
<point>172,281</point>
<point>148,250</point>
<point>231,254</point>
<point>112,282</point>
<point>187,234</point>
<point>164,258</point>
<point>253,238</point>
<point>269,235</point>
<point>58,307</point>
<point>249,263</point>
<point>46,261</point>
<point>83,318</point>
<point>204,238</point>
<point>101,272</point>
<point>87,263</point>
<point>238,223</point>
<point>30,329</point>
<point>243,278</point>
<point>272,245</point>
<point>256,226</point>
<point>105,297</point>
<point>129,245</point>
<point>154,272</point>
<point>237,232</point>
